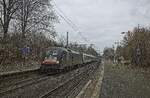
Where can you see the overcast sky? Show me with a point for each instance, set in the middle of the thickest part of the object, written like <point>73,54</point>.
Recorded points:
<point>102,21</point>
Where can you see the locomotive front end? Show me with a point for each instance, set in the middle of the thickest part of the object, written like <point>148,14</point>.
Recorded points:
<point>50,61</point>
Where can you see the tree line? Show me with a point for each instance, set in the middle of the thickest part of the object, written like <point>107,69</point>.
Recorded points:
<point>134,48</point>
<point>25,23</point>
<point>28,26</point>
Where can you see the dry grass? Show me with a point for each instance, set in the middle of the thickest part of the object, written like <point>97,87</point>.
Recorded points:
<point>125,82</point>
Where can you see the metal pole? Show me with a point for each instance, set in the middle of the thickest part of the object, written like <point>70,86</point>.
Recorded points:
<point>67,39</point>
<point>138,27</point>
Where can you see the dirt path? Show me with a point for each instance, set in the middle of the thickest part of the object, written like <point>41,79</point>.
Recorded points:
<point>124,82</point>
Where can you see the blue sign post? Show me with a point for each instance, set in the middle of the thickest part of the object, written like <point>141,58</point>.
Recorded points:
<point>25,51</point>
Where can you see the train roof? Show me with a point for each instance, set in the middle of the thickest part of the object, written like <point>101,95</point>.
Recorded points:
<point>63,49</point>
<point>88,55</point>
<point>69,50</point>
<point>72,51</point>
<point>58,48</point>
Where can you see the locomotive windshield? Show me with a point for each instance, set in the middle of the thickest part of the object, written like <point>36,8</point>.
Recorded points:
<point>51,54</point>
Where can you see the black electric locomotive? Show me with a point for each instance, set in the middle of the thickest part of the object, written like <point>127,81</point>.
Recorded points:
<point>58,58</point>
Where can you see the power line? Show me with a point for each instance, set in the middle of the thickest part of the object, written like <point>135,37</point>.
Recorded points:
<point>65,15</point>
<point>70,23</point>
<point>83,36</point>
<point>66,21</point>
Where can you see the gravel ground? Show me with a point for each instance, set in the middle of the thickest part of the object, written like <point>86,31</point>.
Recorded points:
<point>125,82</point>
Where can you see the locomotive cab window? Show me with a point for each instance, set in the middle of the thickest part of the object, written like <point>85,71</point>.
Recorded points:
<point>52,54</point>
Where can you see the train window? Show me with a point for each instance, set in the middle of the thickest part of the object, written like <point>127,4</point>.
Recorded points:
<point>52,52</point>
<point>55,52</point>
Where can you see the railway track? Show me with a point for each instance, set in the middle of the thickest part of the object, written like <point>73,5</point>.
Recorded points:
<point>9,84</point>
<point>22,84</point>
<point>70,83</point>
<point>10,79</point>
<point>67,88</point>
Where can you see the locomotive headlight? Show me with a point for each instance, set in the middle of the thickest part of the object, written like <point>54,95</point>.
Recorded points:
<point>57,62</point>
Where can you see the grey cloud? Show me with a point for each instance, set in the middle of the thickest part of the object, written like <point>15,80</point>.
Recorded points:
<point>102,21</point>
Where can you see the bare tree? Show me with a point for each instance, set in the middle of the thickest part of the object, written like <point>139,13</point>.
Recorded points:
<point>7,8</point>
<point>35,16</point>
<point>136,46</point>
<point>108,53</point>
<point>29,22</point>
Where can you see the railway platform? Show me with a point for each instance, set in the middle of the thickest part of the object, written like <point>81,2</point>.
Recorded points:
<point>6,70</point>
